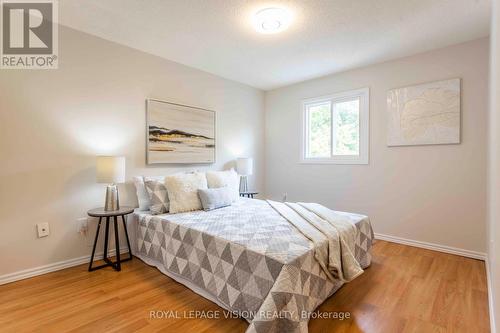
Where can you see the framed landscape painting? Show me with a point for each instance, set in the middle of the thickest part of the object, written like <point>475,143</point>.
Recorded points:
<point>424,114</point>
<point>179,133</point>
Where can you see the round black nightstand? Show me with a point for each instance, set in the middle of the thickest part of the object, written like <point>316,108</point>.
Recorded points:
<point>248,194</point>
<point>100,213</point>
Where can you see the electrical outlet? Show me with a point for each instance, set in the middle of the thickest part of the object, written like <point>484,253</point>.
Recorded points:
<point>42,229</point>
<point>82,226</point>
<point>91,230</point>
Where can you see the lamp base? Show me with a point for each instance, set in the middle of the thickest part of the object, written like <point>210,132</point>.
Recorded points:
<point>112,202</point>
<point>243,184</point>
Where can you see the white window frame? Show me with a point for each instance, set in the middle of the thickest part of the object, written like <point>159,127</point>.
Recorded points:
<point>364,128</point>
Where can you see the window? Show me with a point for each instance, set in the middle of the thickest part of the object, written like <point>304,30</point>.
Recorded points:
<point>335,128</point>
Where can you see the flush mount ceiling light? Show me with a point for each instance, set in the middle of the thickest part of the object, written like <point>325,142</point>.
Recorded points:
<point>272,20</point>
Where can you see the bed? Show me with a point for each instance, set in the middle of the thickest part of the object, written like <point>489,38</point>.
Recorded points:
<point>248,258</point>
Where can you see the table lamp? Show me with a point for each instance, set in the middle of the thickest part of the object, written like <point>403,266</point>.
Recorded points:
<point>244,167</point>
<point>111,171</point>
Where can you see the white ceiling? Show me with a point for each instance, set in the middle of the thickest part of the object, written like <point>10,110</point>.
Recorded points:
<point>326,36</point>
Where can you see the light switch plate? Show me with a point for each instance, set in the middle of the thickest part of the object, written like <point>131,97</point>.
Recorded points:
<point>42,229</point>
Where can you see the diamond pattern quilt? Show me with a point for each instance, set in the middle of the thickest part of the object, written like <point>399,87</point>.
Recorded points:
<point>248,259</point>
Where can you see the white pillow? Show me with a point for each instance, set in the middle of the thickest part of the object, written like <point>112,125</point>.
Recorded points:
<point>140,189</point>
<point>229,178</point>
<point>183,191</point>
<point>142,194</point>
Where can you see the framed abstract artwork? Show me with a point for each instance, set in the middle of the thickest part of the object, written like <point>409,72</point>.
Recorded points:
<point>179,133</point>
<point>424,114</point>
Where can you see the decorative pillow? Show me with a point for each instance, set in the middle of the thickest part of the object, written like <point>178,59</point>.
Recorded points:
<point>142,193</point>
<point>158,197</point>
<point>229,179</point>
<point>183,191</point>
<point>213,198</point>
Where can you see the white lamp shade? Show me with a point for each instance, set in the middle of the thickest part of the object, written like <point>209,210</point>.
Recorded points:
<point>244,166</point>
<point>110,169</point>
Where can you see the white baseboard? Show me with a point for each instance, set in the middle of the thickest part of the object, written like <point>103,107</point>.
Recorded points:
<point>491,304</point>
<point>27,273</point>
<point>432,246</point>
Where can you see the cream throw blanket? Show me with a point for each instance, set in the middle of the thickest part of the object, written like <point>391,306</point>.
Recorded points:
<point>333,236</point>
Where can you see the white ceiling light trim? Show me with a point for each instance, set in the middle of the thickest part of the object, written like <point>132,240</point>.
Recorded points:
<point>272,20</point>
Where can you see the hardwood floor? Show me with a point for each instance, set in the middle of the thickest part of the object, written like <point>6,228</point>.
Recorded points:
<point>406,289</point>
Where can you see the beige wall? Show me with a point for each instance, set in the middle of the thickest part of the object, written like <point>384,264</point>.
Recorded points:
<point>494,171</point>
<point>54,122</point>
<point>434,194</point>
